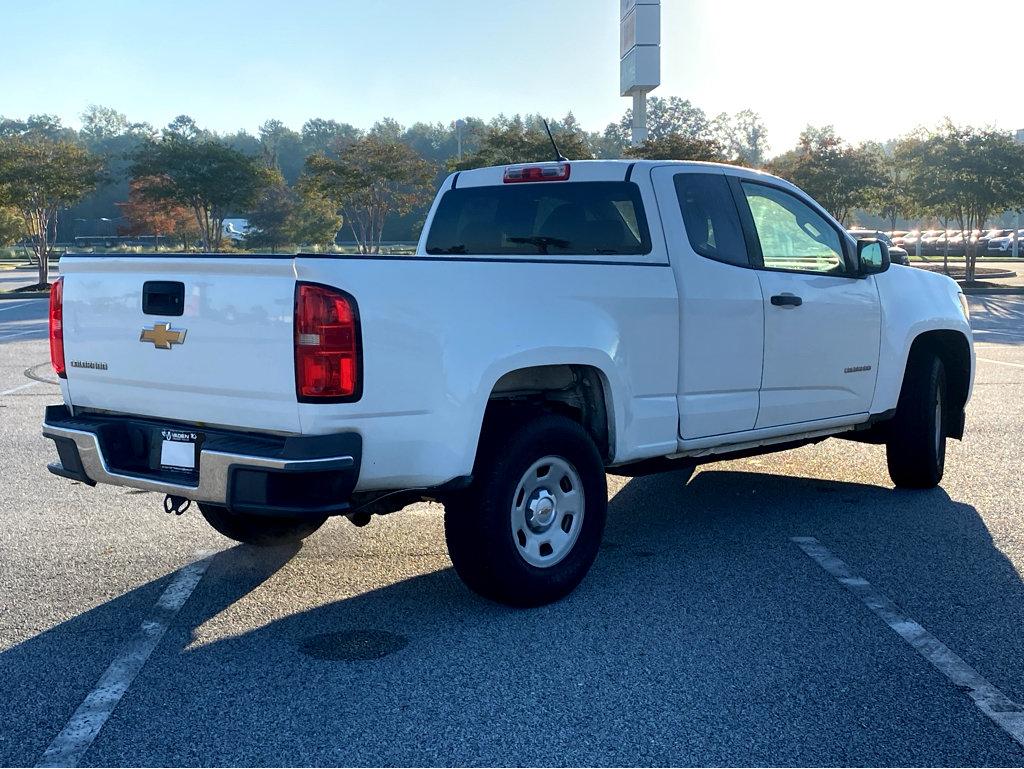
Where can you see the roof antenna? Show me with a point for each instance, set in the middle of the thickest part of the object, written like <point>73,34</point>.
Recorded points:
<point>558,155</point>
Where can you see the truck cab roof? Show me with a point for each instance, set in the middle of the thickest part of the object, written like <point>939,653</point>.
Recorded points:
<point>594,171</point>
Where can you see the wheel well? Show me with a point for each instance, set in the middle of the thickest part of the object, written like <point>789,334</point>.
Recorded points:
<point>575,391</point>
<point>952,348</point>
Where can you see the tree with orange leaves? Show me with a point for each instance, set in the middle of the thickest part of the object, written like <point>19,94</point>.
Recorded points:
<point>145,215</point>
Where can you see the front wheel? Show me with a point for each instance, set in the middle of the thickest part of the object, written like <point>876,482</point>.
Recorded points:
<point>916,449</point>
<point>529,528</point>
<point>260,530</point>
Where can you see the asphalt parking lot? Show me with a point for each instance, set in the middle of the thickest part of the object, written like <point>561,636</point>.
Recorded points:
<point>704,634</point>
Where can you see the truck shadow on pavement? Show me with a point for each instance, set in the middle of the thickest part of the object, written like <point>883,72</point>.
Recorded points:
<point>701,636</point>
<point>998,319</point>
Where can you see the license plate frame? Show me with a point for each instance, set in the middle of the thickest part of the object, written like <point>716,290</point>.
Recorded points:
<point>176,451</point>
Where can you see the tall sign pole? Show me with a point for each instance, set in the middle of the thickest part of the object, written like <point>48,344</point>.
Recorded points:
<point>639,58</point>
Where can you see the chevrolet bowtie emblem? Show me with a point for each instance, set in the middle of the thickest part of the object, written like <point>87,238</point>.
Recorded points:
<point>162,336</point>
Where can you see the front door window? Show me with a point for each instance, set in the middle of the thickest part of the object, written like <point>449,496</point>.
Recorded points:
<point>793,235</point>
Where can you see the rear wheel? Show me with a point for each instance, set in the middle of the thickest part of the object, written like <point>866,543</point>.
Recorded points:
<point>916,449</point>
<point>260,530</point>
<point>529,528</point>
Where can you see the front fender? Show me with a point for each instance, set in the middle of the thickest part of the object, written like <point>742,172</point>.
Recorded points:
<point>913,302</point>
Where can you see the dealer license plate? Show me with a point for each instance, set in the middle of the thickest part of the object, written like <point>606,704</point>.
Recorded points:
<point>178,450</point>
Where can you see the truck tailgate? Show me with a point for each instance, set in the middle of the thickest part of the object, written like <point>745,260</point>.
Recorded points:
<point>227,359</point>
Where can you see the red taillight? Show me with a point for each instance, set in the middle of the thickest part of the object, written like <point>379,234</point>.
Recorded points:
<point>57,327</point>
<point>549,172</point>
<point>327,364</point>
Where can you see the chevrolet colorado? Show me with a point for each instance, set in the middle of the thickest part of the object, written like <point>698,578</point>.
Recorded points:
<point>557,320</point>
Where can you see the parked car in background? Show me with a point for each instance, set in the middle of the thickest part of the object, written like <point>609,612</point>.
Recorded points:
<point>932,242</point>
<point>897,255</point>
<point>1003,244</point>
<point>908,240</point>
<point>995,233</point>
<point>952,243</point>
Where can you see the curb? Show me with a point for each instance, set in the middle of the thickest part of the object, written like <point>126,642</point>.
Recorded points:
<point>992,274</point>
<point>24,295</point>
<point>998,275</point>
<point>1005,290</point>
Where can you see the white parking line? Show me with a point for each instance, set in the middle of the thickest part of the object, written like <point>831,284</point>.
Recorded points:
<point>1002,362</point>
<point>993,331</point>
<point>23,333</point>
<point>68,747</point>
<point>19,304</point>
<point>1006,713</point>
<point>18,389</point>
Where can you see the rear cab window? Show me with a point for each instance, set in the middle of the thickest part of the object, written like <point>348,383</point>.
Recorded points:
<point>710,218</point>
<point>591,218</point>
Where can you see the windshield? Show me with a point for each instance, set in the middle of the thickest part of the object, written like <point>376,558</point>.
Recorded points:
<point>550,218</point>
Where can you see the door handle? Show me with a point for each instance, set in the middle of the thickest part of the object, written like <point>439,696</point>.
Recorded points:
<point>787,300</point>
<point>163,297</point>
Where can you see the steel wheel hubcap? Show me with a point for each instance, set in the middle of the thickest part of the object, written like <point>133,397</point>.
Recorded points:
<point>547,511</point>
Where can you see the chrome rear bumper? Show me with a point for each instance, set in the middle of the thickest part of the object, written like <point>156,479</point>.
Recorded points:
<point>235,478</point>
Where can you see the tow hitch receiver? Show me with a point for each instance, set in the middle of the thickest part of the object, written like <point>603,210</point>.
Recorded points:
<point>176,505</point>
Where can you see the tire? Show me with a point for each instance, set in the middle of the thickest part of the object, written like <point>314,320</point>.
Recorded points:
<point>259,530</point>
<point>916,448</point>
<point>528,529</point>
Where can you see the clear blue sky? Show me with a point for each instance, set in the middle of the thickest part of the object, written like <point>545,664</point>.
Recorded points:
<point>232,64</point>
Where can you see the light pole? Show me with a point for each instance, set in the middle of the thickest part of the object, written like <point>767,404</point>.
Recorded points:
<point>639,58</point>
<point>459,125</point>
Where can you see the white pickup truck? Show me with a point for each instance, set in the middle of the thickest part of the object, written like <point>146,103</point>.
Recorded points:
<point>557,320</point>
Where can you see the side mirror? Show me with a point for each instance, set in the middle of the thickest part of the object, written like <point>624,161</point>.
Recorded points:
<point>872,257</point>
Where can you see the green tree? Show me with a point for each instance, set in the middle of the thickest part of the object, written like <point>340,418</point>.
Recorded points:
<point>185,128</point>
<point>291,215</point>
<point>244,142</point>
<point>314,220</point>
<point>669,116</point>
<point>371,180</point>
<point>40,175</point>
<point>282,149</point>
<point>969,175</point>
<point>12,226</point>
<point>320,135</point>
<point>837,175</point>
<point>211,179</point>
<point>676,146</point>
<point>268,219</point>
<point>611,143</point>
<point>743,137</point>
<point>434,142</point>
<point>518,140</point>
<point>100,123</point>
<point>111,136</point>
<point>892,200</point>
<point>39,126</point>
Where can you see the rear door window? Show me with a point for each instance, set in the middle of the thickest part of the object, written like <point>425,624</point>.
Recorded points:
<point>546,218</point>
<point>710,217</point>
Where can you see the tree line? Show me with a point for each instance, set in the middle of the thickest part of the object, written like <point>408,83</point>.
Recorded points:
<point>303,187</point>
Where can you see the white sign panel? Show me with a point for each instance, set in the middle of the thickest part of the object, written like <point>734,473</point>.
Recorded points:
<point>639,46</point>
<point>640,70</point>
